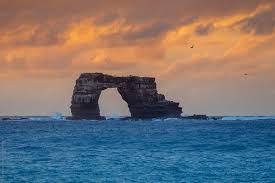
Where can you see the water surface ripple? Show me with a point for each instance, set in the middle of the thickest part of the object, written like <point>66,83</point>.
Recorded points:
<point>137,151</point>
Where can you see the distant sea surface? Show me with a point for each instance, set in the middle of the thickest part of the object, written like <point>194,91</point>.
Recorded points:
<point>170,150</point>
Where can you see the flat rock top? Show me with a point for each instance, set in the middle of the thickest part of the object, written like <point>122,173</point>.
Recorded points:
<point>98,76</point>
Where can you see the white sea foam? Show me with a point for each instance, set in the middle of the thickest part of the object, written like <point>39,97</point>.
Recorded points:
<point>170,119</point>
<point>57,116</point>
<point>156,119</point>
<point>248,118</point>
<point>37,119</point>
<point>113,117</point>
<point>54,116</point>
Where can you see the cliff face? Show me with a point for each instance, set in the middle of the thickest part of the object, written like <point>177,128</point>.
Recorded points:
<point>140,93</point>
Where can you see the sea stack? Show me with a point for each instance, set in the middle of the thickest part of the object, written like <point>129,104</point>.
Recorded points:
<point>140,93</point>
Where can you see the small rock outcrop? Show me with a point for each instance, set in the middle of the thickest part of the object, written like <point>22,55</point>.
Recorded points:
<point>140,93</point>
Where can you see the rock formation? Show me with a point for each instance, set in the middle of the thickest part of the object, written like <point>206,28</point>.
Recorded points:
<point>140,93</point>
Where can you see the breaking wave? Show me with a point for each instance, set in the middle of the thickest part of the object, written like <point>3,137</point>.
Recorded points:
<point>247,118</point>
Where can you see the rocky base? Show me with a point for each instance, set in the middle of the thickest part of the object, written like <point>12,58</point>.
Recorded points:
<point>197,117</point>
<point>140,93</point>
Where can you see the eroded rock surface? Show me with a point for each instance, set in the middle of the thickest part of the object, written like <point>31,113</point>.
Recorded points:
<point>140,93</point>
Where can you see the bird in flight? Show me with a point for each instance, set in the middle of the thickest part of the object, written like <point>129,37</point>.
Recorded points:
<point>246,74</point>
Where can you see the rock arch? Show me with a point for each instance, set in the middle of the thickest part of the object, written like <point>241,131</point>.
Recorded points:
<point>140,93</point>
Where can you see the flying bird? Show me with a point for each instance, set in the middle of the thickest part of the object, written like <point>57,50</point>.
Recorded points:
<point>245,76</point>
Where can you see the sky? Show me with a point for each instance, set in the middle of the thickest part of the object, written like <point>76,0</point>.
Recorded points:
<point>45,45</point>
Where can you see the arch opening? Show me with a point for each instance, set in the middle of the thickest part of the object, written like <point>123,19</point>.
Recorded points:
<point>111,104</point>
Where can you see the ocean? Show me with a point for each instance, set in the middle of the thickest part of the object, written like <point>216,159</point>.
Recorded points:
<point>171,150</point>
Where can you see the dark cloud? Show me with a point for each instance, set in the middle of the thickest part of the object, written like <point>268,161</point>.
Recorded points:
<point>106,18</point>
<point>136,34</point>
<point>204,29</point>
<point>262,23</point>
<point>156,18</point>
<point>54,35</point>
<point>41,36</point>
<point>139,33</point>
<point>46,34</point>
<point>20,12</point>
<point>143,10</point>
<point>157,29</point>
<point>151,31</point>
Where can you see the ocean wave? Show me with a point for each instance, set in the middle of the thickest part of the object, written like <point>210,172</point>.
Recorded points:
<point>114,117</point>
<point>58,116</point>
<point>156,119</point>
<point>170,119</point>
<point>247,118</point>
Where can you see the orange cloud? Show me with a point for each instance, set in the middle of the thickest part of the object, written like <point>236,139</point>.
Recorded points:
<point>121,39</point>
<point>62,38</point>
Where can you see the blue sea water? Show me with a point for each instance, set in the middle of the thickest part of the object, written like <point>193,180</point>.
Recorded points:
<point>137,151</point>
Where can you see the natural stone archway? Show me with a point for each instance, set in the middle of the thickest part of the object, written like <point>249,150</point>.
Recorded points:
<point>140,93</point>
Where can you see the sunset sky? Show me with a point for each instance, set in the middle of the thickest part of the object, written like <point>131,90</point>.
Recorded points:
<point>45,45</point>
